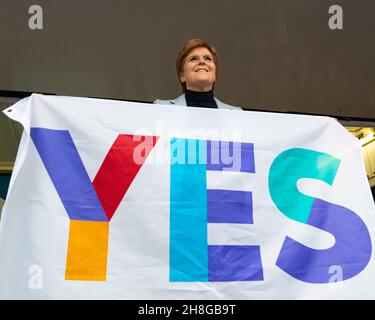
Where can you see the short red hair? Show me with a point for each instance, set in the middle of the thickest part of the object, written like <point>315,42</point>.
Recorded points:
<point>189,46</point>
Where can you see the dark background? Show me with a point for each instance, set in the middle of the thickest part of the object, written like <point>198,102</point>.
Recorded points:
<point>277,55</point>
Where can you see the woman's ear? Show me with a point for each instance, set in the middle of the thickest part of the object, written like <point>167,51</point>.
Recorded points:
<point>182,78</point>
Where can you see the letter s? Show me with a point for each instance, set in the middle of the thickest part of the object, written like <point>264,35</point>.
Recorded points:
<point>352,249</point>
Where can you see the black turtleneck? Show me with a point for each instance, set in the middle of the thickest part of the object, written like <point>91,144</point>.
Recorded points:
<point>200,99</point>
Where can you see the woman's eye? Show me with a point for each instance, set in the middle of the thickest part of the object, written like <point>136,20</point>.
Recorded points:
<point>209,58</point>
<point>193,58</point>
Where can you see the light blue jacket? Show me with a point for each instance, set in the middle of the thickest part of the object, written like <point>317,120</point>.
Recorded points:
<point>181,101</point>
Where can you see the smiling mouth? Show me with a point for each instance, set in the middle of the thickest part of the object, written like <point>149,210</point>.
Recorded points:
<point>201,70</point>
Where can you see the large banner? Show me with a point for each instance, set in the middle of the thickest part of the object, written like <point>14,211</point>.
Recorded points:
<point>120,200</point>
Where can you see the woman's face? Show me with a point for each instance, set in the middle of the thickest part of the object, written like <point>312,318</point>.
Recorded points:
<point>199,71</point>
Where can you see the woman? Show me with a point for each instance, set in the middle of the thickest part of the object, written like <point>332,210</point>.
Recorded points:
<point>197,68</point>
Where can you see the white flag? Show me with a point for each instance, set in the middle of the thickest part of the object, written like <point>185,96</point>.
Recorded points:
<point>121,200</point>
